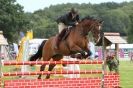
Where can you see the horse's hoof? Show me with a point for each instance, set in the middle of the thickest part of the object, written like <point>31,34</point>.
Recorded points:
<point>47,77</point>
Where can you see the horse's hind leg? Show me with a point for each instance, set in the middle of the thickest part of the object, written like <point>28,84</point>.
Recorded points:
<point>51,66</point>
<point>41,69</point>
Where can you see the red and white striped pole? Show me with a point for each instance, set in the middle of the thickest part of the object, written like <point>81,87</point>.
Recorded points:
<point>5,63</point>
<point>54,72</point>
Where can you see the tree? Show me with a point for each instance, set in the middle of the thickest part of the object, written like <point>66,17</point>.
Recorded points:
<point>130,30</point>
<point>115,17</point>
<point>12,19</point>
<point>116,21</point>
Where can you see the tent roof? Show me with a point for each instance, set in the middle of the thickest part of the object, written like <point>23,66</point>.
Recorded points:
<point>111,38</point>
<point>3,41</point>
<point>36,41</point>
<point>121,46</point>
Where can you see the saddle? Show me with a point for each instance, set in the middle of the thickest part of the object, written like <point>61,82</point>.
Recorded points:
<point>62,36</point>
<point>64,33</point>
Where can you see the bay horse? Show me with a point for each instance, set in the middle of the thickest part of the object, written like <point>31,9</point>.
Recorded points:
<point>76,42</point>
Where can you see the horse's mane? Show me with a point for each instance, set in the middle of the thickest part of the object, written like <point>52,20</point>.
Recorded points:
<point>88,18</point>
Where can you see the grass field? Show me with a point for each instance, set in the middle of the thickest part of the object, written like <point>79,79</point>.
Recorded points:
<point>126,73</point>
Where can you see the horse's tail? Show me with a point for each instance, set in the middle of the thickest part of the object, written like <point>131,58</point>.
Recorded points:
<point>38,55</point>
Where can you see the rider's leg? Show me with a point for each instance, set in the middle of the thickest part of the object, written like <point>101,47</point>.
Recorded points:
<point>61,27</point>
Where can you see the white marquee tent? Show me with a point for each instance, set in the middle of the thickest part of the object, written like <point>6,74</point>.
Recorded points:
<point>3,44</point>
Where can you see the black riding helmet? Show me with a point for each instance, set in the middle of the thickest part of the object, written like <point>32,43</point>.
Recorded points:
<point>74,11</point>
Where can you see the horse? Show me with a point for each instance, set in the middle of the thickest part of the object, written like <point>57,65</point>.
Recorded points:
<point>75,42</point>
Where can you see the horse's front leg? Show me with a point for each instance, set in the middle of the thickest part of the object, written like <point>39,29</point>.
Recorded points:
<point>76,49</point>
<point>51,66</point>
<point>87,49</point>
<point>89,53</point>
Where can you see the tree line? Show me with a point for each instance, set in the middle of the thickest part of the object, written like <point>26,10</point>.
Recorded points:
<point>117,17</point>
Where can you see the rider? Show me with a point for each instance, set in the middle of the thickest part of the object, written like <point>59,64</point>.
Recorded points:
<point>65,21</point>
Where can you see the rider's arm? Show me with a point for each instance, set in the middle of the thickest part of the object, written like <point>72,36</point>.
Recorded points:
<point>71,23</point>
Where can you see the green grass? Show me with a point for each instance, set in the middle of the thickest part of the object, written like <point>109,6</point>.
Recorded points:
<point>126,73</point>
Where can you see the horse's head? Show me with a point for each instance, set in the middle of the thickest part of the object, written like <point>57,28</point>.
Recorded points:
<point>93,25</point>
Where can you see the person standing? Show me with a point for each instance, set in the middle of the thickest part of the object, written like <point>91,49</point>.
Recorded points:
<point>92,51</point>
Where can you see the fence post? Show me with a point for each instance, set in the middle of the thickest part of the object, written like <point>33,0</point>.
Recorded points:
<point>117,56</point>
<point>0,72</point>
<point>103,59</point>
<point>25,55</point>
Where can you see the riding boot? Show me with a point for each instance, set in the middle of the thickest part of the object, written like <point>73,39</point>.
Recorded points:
<point>66,33</point>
